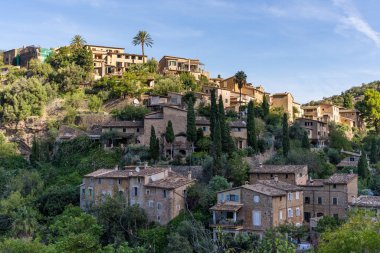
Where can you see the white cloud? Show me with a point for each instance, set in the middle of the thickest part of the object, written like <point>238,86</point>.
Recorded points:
<point>353,19</point>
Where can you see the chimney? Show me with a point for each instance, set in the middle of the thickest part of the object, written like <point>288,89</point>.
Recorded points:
<point>276,178</point>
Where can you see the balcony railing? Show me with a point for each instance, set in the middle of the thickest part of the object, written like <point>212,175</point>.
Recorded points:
<point>226,223</point>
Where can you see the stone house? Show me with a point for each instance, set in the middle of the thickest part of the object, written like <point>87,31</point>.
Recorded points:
<point>112,60</point>
<point>257,207</point>
<point>159,191</point>
<point>121,133</point>
<point>325,112</point>
<point>353,115</point>
<point>291,174</point>
<point>365,202</point>
<point>330,196</point>
<point>286,102</point>
<point>317,131</point>
<point>351,159</point>
<point>172,65</point>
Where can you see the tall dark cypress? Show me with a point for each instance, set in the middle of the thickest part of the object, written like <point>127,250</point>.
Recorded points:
<point>251,127</point>
<point>213,113</point>
<point>154,146</point>
<point>305,141</point>
<point>374,152</point>
<point>265,107</point>
<point>223,126</point>
<point>285,135</point>
<point>363,166</point>
<point>191,129</point>
<point>217,142</point>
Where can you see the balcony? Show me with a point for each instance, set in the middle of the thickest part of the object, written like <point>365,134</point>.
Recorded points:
<point>227,223</point>
<point>226,215</point>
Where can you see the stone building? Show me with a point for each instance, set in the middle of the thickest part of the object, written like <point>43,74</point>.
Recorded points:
<point>330,196</point>
<point>172,65</point>
<point>364,202</point>
<point>317,131</point>
<point>325,112</point>
<point>351,159</point>
<point>112,60</point>
<point>257,207</point>
<point>286,102</point>
<point>354,116</point>
<point>159,191</point>
<point>292,174</point>
<point>121,133</point>
<point>22,56</point>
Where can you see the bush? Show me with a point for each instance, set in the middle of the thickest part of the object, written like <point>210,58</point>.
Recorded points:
<point>130,112</point>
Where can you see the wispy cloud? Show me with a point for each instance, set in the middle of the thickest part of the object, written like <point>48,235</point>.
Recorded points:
<point>353,19</point>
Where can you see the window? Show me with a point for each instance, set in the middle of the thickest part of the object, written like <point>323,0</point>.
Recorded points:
<point>290,196</point>
<point>158,206</point>
<point>306,216</point>
<point>119,181</point>
<point>135,191</point>
<point>290,212</point>
<point>256,199</point>
<point>204,129</point>
<point>334,186</point>
<point>172,63</point>
<point>298,211</point>
<point>89,192</point>
<point>138,130</point>
<point>229,215</point>
<point>335,201</point>
<point>139,179</point>
<point>99,180</point>
<point>286,176</point>
<point>319,200</point>
<point>256,218</point>
<point>352,159</point>
<point>150,203</point>
<point>158,218</point>
<point>239,129</point>
<point>307,200</point>
<point>280,215</point>
<point>147,192</point>
<point>297,195</point>
<point>232,197</point>
<point>83,192</point>
<point>124,130</point>
<point>226,100</point>
<point>165,193</point>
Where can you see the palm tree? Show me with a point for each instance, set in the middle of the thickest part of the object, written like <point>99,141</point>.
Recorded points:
<point>77,41</point>
<point>241,79</point>
<point>143,38</point>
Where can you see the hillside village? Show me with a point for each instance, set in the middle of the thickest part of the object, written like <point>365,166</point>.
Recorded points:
<point>133,149</point>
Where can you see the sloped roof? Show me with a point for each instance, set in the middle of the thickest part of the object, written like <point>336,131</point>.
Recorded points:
<point>275,168</point>
<point>124,123</point>
<point>174,180</point>
<point>264,189</point>
<point>340,178</point>
<point>367,201</point>
<point>280,185</point>
<point>227,206</point>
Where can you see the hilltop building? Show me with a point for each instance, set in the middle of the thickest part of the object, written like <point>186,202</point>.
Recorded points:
<point>159,191</point>
<point>112,60</point>
<point>22,56</point>
<point>317,131</point>
<point>286,102</point>
<point>172,65</point>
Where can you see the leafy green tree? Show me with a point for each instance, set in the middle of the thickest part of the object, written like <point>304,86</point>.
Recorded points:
<point>130,112</point>
<point>152,65</point>
<point>191,130</point>
<point>241,79</point>
<point>21,246</point>
<point>358,234</point>
<point>285,136</point>
<point>70,77</point>
<point>305,141</point>
<point>265,107</point>
<point>328,223</point>
<point>36,151</point>
<point>370,108</point>
<point>178,244</point>
<point>238,169</point>
<point>251,127</point>
<point>275,242</point>
<point>213,113</point>
<point>95,103</point>
<point>188,81</point>
<point>165,85</point>
<point>347,101</point>
<point>154,148</point>
<point>143,38</point>
<point>363,166</point>
<point>338,138</point>
<point>169,136</point>
<point>218,183</point>
<point>39,69</point>
<point>154,238</point>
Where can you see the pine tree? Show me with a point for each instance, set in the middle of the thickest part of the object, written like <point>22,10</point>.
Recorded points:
<point>363,166</point>
<point>305,141</point>
<point>169,136</point>
<point>213,113</point>
<point>265,107</point>
<point>285,136</point>
<point>251,127</point>
<point>191,130</point>
<point>154,146</point>
<point>347,101</point>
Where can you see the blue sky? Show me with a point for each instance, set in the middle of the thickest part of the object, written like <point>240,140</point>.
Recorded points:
<point>312,48</point>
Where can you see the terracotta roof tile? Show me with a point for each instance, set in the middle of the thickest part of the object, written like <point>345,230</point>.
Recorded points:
<point>340,178</point>
<point>174,180</point>
<point>264,189</point>
<point>227,206</point>
<point>367,201</point>
<point>280,185</point>
<point>124,123</point>
<point>275,168</point>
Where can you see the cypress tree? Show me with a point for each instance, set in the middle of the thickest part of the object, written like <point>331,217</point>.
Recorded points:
<point>35,152</point>
<point>213,113</point>
<point>374,153</point>
<point>265,107</point>
<point>285,135</point>
<point>223,126</point>
<point>169,136</point>
<point>347,101</point>
<point>217,148</point>
<point>363,166</point>
<point>251,127</point>
<point>154,148</point>
<point>305,141</point>
<point>191,130</point>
